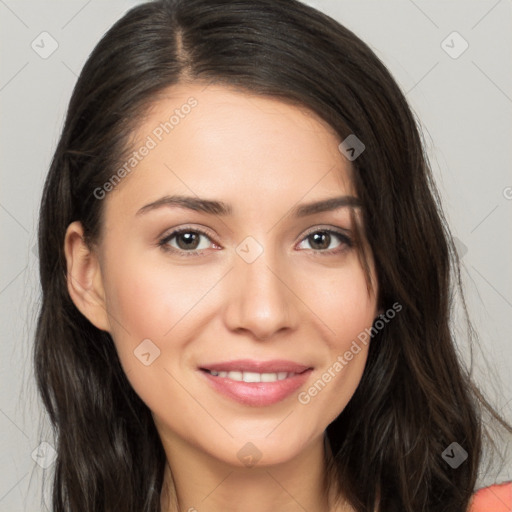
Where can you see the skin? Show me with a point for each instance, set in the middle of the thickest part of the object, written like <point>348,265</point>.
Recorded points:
<point>262,157</point>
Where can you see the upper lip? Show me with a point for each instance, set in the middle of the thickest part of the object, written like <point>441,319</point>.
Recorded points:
<point>249,365</point>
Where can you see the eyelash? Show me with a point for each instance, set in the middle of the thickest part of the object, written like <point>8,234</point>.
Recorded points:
<point>346,241</point>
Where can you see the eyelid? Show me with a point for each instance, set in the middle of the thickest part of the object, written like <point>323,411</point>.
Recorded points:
<point>330,229</point>
<point>186,228</point>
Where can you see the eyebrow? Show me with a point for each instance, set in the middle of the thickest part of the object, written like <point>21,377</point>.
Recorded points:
<point>223,209</point>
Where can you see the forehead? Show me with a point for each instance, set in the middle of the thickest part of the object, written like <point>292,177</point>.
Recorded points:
<point>215,141</point>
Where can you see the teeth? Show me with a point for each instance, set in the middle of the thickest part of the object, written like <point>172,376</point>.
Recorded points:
<point>252,376</point>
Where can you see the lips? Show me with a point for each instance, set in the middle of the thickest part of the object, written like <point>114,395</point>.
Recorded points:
<point>256,383</point>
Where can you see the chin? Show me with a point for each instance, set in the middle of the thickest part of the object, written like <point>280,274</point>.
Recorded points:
<point>250,451</point>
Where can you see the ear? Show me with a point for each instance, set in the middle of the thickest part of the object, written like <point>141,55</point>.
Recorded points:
<point>84,280</point>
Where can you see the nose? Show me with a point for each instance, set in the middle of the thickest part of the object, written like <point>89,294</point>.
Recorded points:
<point>260,298</point>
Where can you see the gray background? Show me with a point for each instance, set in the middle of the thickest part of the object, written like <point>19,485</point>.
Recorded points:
<point>465,108</point>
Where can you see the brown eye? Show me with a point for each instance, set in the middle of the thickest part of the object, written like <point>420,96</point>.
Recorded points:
<point>320,240</point>
<point>186,240</point>
<point>323,240</point>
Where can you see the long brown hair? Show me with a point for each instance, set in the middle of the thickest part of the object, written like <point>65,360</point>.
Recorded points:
<point>415,397</point>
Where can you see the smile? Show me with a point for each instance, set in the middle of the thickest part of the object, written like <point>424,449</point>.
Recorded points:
<point>252,376</point>
<point>256,383</point>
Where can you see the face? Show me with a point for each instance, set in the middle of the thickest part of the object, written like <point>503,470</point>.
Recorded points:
<point>257,288</point>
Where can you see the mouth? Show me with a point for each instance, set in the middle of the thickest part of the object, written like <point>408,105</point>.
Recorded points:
<point>256,383</point>
<point>240,376</point>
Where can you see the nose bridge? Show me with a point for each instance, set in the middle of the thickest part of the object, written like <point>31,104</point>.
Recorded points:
<point>259,299</point>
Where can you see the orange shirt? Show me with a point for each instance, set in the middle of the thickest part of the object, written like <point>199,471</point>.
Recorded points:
<point>495,498</point>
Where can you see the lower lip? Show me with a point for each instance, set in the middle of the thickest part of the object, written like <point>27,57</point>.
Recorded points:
<point>257,393</point>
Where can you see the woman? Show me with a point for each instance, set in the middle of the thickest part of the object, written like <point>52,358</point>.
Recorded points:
<point>247,277</point>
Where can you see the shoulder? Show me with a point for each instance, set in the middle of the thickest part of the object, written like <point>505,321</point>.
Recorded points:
<point>495,498</point>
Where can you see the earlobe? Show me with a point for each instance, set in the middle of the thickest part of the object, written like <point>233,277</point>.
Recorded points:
<point>84,279</point>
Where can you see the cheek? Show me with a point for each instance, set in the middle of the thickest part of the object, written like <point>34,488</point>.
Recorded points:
<point>142,306</point>
<point>155,308</point>
<point>138,301</point>
<point>148,300</point>
<point>147,305</point>
<point>343,304</point>
<point>347,312</point>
